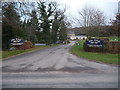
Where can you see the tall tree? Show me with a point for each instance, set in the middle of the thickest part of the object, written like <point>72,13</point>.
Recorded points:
<point>63,31</point>
<point>34,26</point>
<point>11,24</point>
<point>116,25</point>
<point>58,17</point>
<point>92,18</point>
<point>55,27</point>
<point>46,11</point>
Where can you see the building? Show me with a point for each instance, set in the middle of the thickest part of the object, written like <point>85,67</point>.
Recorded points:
<point>70,33</point>
<point>81,37</point>
<point>76,33</point>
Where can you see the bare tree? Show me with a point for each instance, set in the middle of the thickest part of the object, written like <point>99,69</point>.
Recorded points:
<point>92,19</point>
<point>116,25</point>
<point>90,16</point>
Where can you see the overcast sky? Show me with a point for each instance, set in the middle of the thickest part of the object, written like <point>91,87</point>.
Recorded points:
<point>109,7</point>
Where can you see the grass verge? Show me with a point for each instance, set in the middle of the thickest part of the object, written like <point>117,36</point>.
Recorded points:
<point>7,54</point>
<point>114,38</point>
<point>98,57</point>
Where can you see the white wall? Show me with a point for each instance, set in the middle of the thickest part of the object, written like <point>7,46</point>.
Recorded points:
<point>78,37</point>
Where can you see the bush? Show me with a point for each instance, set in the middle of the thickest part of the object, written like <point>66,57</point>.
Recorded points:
<point>113,47</point>
<point>68,41</point>
<point>26,45</point>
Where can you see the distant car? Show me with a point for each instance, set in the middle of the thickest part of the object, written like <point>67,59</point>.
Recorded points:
<point>58,42</point>
<point>64,42</point>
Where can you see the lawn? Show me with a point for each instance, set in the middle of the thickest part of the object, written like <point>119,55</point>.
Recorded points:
<point>6,54</point>
<point>114,38</point>
<point>98,57</point>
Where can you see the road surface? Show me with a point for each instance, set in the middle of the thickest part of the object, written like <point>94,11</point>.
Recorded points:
<point>56,67</point>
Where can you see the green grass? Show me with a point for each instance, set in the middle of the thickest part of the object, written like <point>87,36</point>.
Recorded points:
<point>6,54</point>
<point>111,38</point>
<point>0,54</point>
<point>99,57</point>
<point>114,38</point>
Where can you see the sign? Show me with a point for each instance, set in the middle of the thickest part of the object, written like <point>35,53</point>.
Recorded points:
<point>16,41</point>
<point>95,43</point>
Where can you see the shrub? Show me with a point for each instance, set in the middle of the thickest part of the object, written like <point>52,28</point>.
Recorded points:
<point>26,45</point>
<point>113,47</point>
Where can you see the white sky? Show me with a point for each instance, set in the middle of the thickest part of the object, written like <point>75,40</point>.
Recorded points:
<point>108,7</point>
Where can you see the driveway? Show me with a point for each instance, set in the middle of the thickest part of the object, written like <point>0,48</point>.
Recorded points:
<point>56,67</point>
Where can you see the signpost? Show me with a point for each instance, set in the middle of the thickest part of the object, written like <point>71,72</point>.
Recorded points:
<point>94,45</point>
<point>16,42</point>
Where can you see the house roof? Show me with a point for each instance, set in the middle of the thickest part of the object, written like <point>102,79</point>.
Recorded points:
<point>80,30</point>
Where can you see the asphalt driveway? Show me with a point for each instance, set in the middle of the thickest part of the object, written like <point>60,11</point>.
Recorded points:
<point>56,67</point>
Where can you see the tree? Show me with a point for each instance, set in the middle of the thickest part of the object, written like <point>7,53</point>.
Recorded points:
<point>55,27</point>
<point>46,11</point>
<point>11,24</point>
<point>56,24</point>
<point>90,17</point>
<point>41,24</point>
<point>63,31</point>
<point>116,25</point>
<point>34,26</point>
<point>24,9</point>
